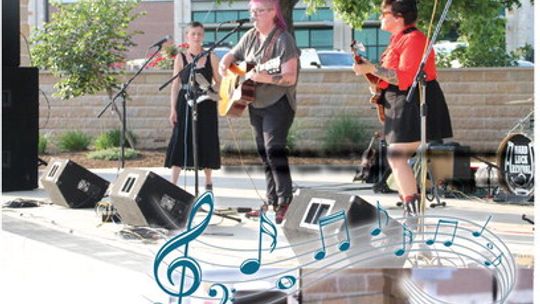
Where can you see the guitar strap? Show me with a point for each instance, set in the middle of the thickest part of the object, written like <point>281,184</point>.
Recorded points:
<point>269,50</point>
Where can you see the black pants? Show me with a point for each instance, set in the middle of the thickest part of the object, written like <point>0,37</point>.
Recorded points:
<point>271,126</point>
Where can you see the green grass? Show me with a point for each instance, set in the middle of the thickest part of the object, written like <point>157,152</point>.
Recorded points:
<point>72,141</point>
<point>113,154</point>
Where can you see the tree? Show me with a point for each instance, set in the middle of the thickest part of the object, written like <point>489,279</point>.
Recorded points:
<point>83,43</point>
<point>478,23</point>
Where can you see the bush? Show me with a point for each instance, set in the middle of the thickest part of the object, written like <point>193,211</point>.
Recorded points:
<point>292,136</point>
<point>112,154</point>
<point>42,144</point>
<point>344,135</point>
<point>110,139</point>
<point>74,141</point>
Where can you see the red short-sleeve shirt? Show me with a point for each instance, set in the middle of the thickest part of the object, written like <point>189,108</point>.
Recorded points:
<point>404,54</point>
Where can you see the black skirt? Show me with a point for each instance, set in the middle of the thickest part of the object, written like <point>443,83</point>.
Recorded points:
<point>402,118</point>
<point>180,150</point>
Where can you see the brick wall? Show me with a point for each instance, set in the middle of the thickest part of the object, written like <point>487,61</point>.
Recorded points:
<point>478,100</point>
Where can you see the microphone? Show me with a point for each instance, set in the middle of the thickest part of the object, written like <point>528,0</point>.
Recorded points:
<point>162,41</point>
<point>239,21</point>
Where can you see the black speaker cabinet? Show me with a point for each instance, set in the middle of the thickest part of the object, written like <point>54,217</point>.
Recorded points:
<point>10,33</point>
<point>450,163</point>
<point>70,185</point>
<point>143,198</point>
<point>302,224</point>
<point>20,115</point>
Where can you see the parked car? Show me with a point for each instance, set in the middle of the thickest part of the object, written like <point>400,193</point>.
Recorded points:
<point>322,59</point>
<point>335,59</point>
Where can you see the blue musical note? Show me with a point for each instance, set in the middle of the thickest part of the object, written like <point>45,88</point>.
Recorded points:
<point>286,282</point>
<point>185,262</point>
<point>327,220</point>
<point>250,266</point>
<point>378,230</point>
<point>447,243</point>
<point>213,292</point>
<point>479,233</point>
<point>405,232</point>
<point>489,245</point>
<point>495,261</point>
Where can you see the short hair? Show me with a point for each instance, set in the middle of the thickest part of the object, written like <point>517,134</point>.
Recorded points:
<point>403,8</point>
<point>194,24</point>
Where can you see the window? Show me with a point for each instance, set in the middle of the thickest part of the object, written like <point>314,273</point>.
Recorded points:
<point>374,39</point>
<point>315,38</point>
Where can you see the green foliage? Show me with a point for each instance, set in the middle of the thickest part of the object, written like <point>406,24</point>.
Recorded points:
<point>292,136</point>
<point>83,43</point>
<point>478,23</point>
<point>113,154</point>
<point>74,141</point>
<point>42,144</point>
<point>110,139</point>
<point>344,134</point>
<point>525,52</point>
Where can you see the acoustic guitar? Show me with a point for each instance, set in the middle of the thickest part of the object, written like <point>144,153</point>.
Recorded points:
<point>237,91</point>
<point>373,80</point>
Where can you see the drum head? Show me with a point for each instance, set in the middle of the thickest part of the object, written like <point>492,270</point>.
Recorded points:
<point>515,158</point>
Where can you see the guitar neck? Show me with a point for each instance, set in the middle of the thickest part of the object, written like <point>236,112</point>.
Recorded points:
<point>369,77</point>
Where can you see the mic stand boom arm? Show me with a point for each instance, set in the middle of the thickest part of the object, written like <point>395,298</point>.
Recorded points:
<point>123,94</point>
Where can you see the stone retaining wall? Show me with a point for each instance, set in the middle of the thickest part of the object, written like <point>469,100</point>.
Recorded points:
<point>482,104</point>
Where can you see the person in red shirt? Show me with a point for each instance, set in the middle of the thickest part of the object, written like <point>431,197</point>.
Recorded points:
<point>396,71</point>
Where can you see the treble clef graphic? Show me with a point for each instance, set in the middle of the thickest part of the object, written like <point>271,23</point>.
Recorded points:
<point>185,261</point>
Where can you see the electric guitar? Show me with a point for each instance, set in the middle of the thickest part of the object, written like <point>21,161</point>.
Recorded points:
<point>237,91</point>
<point>369,160</point>
<point>373,80</point>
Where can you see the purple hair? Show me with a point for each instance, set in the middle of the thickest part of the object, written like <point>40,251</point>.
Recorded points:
<point>278,19</point>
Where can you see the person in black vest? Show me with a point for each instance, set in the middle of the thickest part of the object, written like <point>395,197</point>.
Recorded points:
<point>180,151</point>
<point>272,112</point>
<point>398,66</point>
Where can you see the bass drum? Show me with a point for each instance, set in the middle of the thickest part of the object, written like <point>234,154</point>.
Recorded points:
<point>515,159</point>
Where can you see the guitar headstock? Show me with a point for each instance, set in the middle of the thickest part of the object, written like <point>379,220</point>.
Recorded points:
<point>356,48</point>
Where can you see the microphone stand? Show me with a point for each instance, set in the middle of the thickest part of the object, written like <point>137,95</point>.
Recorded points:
<point>193,92</point>
<point>420,80</point>
<point>123,95</point>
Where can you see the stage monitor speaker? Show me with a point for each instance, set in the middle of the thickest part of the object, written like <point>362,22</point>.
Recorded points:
<point>302,224</point>
<point>72,186</point>
<point>10,33</point>
<point>20,120</point>
<point>143,198</point>
<point>450,163</point>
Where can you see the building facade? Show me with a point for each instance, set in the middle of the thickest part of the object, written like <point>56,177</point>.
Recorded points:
<point>322,30</point>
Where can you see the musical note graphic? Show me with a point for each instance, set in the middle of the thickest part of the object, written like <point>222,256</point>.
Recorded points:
<point>447,243</point>
<point>286,282</point>
<point>213,292</point>
<point>378,230</point>
<point>495,261</point>
<point>327,220</point>
<point>185,262</point>
<point>489,245</point>
<point>479,233</point>
<point>405,232</point>
<point>250,266</point>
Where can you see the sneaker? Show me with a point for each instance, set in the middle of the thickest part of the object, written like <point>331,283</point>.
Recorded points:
<point>280,213</point>
<point>412,208</point>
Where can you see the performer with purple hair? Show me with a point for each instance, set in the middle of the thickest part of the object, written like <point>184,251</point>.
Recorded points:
<point>272,112</point>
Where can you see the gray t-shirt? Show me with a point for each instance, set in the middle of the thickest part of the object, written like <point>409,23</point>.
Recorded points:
<point>250,49</point>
